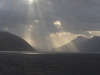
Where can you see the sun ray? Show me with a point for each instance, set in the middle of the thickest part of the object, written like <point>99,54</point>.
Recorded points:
<point>31,1</point>
<point>63,38</point>
<point>28,35</point>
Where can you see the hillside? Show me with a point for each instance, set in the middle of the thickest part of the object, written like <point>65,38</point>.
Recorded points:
<point>10,42</point>
<point>82,44</point>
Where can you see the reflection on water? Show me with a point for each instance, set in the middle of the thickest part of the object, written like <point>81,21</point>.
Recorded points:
<point>22,52</point>
<point>30,53</point>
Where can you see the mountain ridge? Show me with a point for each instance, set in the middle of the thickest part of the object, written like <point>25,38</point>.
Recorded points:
<point>11,42</point>
<point>82,44</point>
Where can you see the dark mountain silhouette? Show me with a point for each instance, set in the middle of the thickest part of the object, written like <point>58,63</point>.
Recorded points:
<point>10,42</point>
<point>91,45</point>
<point>82,44</point>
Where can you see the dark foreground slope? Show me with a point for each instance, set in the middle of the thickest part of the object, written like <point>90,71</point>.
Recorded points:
<point>10,42</point>
<point>49,64</point>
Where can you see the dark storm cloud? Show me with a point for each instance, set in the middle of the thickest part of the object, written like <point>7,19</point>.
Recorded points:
<point>75,15</point>
<point>13,12</point>
<point>78,15</point>
<point>86,11</point>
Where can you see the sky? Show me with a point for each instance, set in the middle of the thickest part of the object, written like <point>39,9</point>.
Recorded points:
<point>47,24</point>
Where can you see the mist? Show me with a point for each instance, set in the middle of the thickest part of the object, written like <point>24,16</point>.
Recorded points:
<point>48,24</point>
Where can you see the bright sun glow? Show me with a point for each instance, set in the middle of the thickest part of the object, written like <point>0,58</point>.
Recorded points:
<point>31,1</point>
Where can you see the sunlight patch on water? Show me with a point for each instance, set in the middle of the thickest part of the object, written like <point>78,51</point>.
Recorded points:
<point>30,53</point>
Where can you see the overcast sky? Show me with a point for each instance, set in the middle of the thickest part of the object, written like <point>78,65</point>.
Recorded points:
<point>74,16</point>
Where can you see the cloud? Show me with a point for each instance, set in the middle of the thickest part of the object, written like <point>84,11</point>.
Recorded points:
<point>76,16</point>
<point>73,16</point>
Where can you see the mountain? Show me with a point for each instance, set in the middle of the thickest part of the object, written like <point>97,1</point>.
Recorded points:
<point>10,42</point>
<point>91,45</point>
<point>82,44</point>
